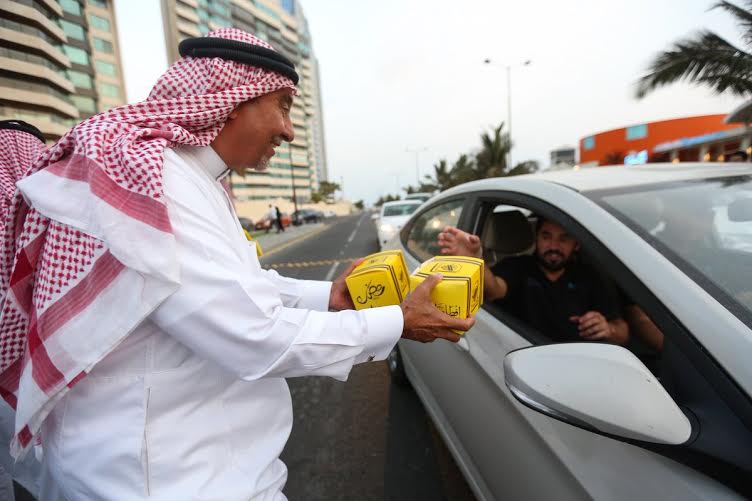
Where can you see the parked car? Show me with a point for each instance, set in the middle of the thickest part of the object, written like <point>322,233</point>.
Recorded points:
<point>418,196</point>
<point>528,419</point>
<point>265,223</point>
<point>246,223</point>
<point>392,216</point>
<point>307,216</point>
<point>329,214</point>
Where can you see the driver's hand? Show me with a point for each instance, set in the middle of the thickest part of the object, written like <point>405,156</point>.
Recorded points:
<point>456,242</point>
<point>593,326</point>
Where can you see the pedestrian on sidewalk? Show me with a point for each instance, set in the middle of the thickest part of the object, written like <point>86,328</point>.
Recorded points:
<point>278,219</point>
<point>141,340</point>
<point>271,216</point>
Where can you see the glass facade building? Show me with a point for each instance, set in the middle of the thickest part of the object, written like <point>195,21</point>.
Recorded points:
<point>282,24</point>
<point>59,62</point>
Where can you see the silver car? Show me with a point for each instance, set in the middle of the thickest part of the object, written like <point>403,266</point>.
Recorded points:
<point>528,419</point>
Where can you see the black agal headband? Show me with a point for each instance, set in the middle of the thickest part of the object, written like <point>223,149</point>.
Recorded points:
<point>23,127</point>
<point>242,52</point>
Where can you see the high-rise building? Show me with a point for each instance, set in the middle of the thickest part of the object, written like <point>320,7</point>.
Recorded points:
<point>282,24</point>
<point>59,62</point>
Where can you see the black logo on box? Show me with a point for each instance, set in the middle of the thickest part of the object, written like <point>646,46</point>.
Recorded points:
<point>450,309</point>
<point>372,291</point>
<point>446,267</point>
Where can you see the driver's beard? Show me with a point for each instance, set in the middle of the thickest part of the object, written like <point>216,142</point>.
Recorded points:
<point>551,266</point>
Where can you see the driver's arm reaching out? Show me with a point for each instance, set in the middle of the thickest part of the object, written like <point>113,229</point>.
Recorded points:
<point>455,242</point>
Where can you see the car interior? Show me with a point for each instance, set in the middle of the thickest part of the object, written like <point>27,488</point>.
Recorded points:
<point>509,231</point>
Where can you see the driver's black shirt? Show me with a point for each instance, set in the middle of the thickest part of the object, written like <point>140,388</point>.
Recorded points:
<point>547,306</point>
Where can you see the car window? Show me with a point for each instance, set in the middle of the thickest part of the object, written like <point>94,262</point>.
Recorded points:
<point>422,239</point>
<point>399,210</point>
<point>704,227</point>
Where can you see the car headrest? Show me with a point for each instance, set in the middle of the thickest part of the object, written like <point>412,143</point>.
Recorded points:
<point>508,232</point>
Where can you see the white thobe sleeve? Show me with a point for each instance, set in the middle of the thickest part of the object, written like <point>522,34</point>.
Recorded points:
<point>233,313</point>
<point>306,294</point>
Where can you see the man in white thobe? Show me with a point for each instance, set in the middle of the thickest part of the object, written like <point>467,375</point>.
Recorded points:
<point>192,402</point>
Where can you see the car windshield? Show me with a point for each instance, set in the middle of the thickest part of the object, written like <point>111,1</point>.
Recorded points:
<point>704,227</point>
<point>400,209</point>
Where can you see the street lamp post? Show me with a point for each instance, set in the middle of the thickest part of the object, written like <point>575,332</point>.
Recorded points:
<point>508,68</point>
<point>417,152</point>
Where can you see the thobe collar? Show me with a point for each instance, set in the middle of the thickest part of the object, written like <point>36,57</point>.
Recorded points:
<point>208,160</point>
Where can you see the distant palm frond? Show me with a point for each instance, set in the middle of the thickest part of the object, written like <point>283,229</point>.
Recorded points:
<point>707,59</point>
<point>743,16</point>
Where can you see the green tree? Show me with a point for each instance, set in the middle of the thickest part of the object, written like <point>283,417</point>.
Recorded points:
<point>316,197</point>
<point>327,189</point>
<point>463,170</point>
<point>387,198</point>
<point>491,160</point>
<point>527,167</point>
<point>706,59</point>
<point>359,204</point>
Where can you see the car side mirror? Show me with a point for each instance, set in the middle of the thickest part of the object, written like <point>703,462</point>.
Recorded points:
<point>598,387</point>
<point>375,217</point>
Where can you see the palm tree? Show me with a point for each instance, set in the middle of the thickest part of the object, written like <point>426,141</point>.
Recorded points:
<point>706,59</point>
<point>442,175</point>
<point>463,170</point>
<point>527,167</point>
<point>491,160</point>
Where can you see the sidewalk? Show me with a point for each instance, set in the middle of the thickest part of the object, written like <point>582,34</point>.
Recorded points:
<point>272,240</point>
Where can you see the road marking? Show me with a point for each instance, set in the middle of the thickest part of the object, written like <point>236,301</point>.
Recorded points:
<point>352,235</point>
<point>309,264</point>
<point>330,274</point>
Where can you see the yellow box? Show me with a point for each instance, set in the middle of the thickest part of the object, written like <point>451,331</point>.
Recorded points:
<point>460,293</point>
<point>380,280</point>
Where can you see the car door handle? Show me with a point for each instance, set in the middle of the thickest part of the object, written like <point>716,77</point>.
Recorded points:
<point>462,344</point>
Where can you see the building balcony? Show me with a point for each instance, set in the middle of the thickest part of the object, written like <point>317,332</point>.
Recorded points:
<point>38,99</point>
<point>17,10</point>
<point>188,28</point>
<point>36,71</point>
<point>35,45</point>
<point>187,13</point>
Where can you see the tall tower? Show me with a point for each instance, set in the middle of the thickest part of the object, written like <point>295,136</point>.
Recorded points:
<point>282,24</point>
<point>59,62</point>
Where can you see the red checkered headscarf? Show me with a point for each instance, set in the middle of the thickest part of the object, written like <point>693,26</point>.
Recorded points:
<point>18,150</point>
<point>93,252</point>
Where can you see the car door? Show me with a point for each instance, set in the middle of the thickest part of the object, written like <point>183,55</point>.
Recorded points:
<point>462,387</point>
<point>529,455</point>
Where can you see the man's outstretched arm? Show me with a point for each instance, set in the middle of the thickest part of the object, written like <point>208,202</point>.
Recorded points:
<point>455,242</point>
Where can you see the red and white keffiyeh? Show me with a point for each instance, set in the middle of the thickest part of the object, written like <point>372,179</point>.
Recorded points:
<point>93,252</point>
<point>18,151</point>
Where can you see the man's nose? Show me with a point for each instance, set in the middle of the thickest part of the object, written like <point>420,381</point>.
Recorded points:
<point>288,133</point>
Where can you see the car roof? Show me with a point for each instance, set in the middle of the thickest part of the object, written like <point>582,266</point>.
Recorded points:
<point>597,178</point>
<point>402,202</point>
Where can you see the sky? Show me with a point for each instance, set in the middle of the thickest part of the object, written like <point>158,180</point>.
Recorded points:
<point>401,75</point>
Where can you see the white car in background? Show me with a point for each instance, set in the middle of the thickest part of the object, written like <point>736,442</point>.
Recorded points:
<point>528,419</point>
<point>392,217</point>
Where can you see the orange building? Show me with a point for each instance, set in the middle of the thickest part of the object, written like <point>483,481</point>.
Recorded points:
<point>690,139</point>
